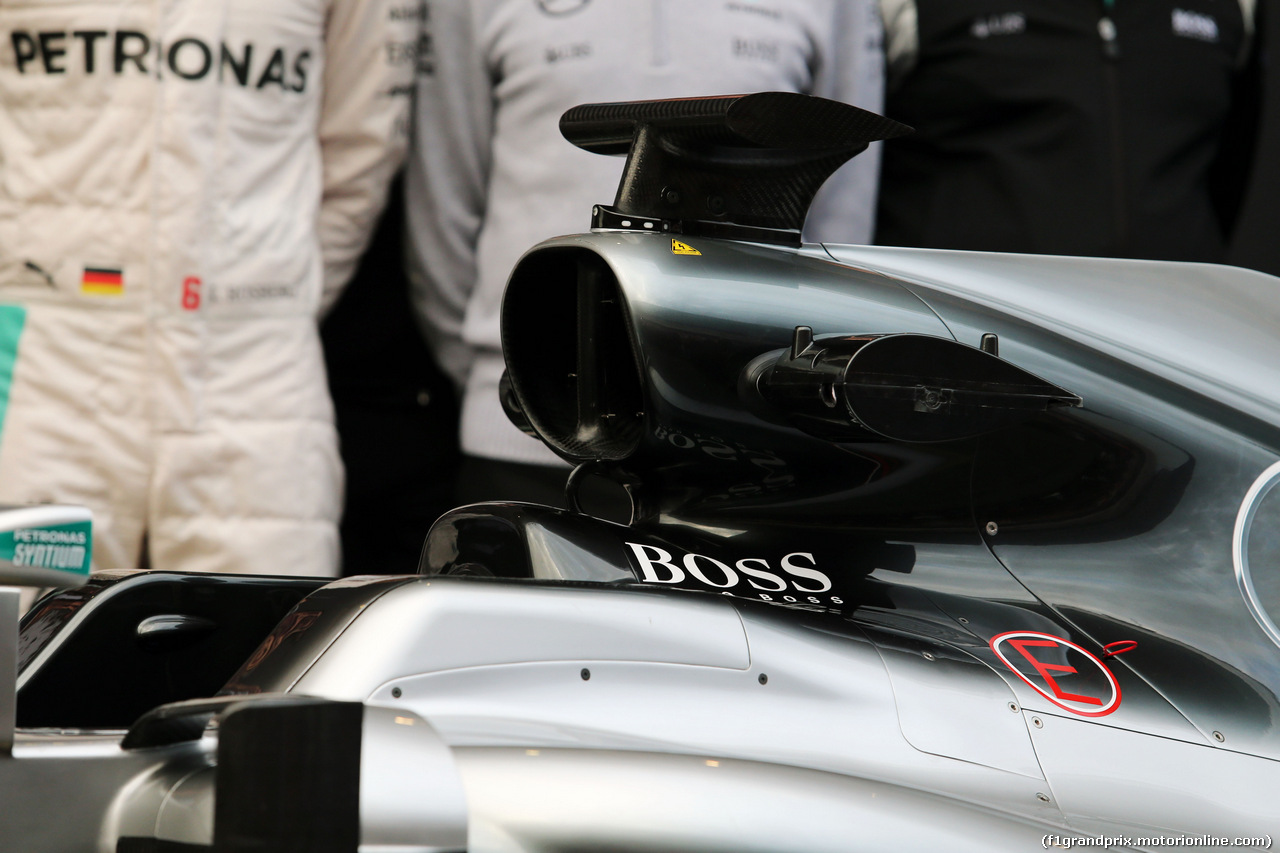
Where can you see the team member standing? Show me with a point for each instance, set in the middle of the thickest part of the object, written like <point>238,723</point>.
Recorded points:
<point>490,175</point>
<point>1089,127</point>
<point>185,184</point>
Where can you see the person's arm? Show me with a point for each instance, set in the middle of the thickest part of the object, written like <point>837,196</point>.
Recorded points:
<point>370,46</point>
<point>852,71</point>
<point>447,178</point>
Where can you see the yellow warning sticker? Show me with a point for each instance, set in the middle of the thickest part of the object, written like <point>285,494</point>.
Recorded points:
<point>678,248</point>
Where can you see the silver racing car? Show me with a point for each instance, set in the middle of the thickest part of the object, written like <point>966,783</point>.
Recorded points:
<point>922,550</point>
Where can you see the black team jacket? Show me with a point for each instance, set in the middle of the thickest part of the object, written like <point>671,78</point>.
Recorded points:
<point>1082,127</point>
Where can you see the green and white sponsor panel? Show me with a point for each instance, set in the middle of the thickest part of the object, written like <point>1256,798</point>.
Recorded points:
<point>45,546</point>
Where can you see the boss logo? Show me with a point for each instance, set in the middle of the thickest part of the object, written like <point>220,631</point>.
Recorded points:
<point>1194,25</point>
<point>1009,24</point>
<point>795,581</point>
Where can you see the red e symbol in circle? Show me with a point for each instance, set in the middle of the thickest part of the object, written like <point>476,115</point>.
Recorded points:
<point>1046,656</point>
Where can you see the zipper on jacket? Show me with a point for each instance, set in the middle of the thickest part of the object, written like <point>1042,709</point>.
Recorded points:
<point>1111,54</point>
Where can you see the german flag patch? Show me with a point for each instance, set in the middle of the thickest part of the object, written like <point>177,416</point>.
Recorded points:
<point>102,281</point>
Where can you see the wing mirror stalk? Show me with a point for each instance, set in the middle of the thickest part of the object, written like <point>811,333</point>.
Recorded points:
<point>40,545</point>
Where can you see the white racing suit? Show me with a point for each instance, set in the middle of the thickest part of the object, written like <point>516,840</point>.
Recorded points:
<point>183,185</point>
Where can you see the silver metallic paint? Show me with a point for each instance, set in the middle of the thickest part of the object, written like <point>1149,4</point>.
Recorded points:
<point>1240,548</point>
<point>673,742</point>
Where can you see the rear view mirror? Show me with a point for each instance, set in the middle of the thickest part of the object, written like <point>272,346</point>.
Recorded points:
<point>45,545</point>
<point>39,546</point>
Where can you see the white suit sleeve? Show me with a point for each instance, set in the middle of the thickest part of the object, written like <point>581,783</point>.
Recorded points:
<point>852,71</point>
<point>370,48</point>
<point>447,178</point>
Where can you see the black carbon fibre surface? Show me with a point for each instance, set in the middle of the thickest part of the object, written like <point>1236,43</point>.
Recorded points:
<point>289,777</point>
<point>755,160</point>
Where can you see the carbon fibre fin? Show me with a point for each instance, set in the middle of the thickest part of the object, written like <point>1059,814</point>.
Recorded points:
<point>736,166</point>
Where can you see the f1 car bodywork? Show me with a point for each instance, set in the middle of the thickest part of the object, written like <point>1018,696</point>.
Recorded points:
<point>927,550</point>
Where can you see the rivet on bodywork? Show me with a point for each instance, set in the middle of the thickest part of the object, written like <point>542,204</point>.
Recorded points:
<point>586,674</point>
<point>1219,737</point>
<point>992,528</point>
<point>763,679</point>
<point>1013,706</point>
<point>1037,722</point>
<point>1042,797</point>
<point>929,656</point>
<point>396,692</point>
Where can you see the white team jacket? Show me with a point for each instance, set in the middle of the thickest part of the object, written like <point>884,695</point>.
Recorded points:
<point>183,185</point>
